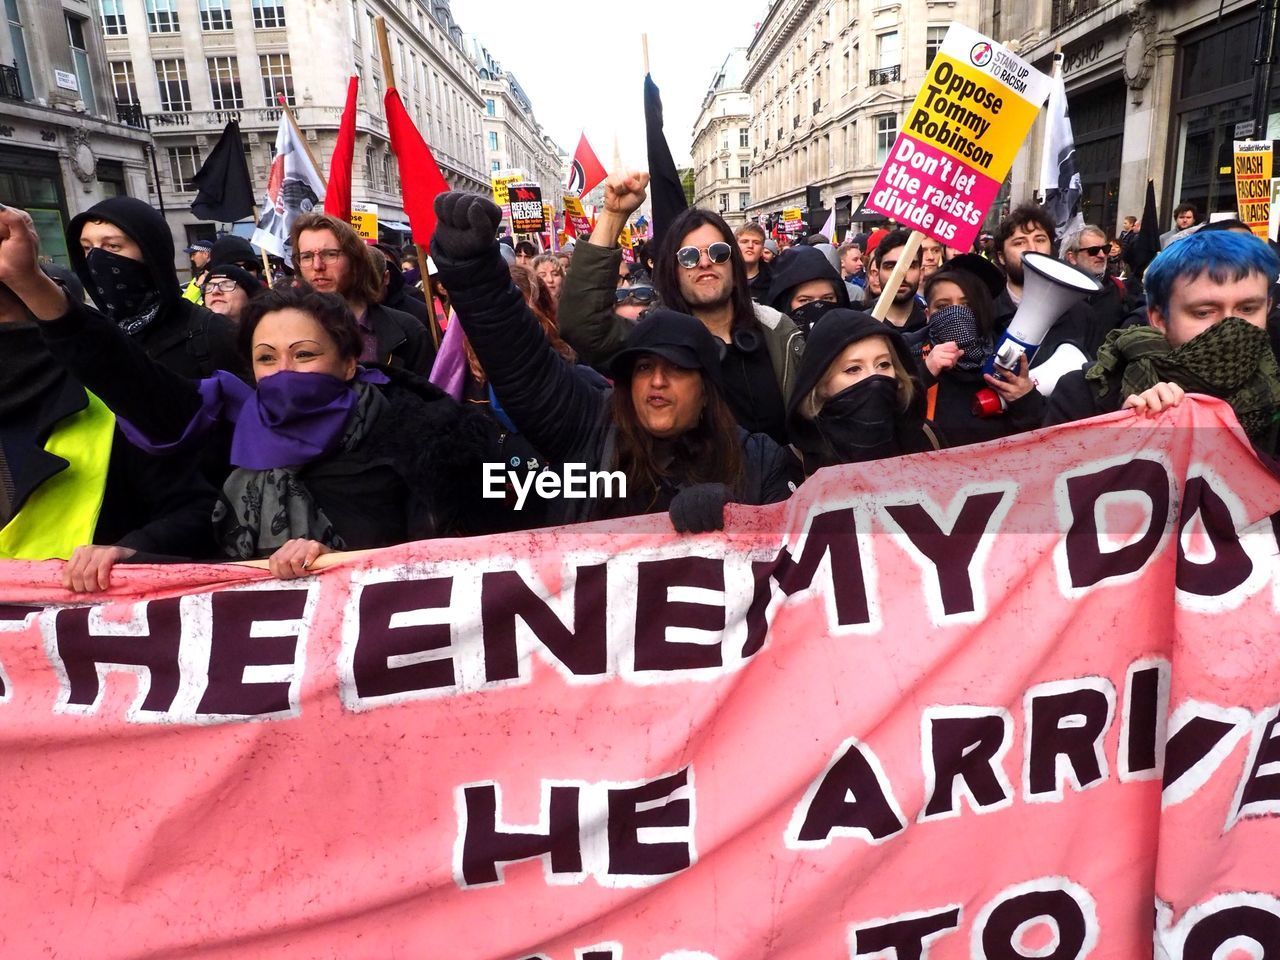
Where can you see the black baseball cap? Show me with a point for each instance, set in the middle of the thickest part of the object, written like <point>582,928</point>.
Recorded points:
<point>676,337</point>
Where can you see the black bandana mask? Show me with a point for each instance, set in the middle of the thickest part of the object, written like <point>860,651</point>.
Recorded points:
<point>957,324</point>
<point>807,316</point>
<point>860,422</point>
<point>123,289</point>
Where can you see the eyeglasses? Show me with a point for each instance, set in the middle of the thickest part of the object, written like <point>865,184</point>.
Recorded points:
<point>690,257</point>
<point>324,256</point>
<point>220,286</point>
<point>1093,251</point>
<point>638,294</point>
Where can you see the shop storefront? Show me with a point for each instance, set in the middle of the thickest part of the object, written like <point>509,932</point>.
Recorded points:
<point>1212,92</point>
<point>32,180</point>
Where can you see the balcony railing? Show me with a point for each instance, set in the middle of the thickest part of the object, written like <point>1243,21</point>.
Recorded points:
<point>1068,11</point>
<point>11,82</point>
<point>130,114</point>
<point>884,75</point>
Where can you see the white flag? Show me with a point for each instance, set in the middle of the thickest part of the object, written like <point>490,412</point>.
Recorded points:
<point>829,228</point>
<point>1059,178</point>
<point>293,187</point>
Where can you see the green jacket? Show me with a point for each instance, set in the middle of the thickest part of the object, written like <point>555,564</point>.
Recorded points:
<point>589,325</point>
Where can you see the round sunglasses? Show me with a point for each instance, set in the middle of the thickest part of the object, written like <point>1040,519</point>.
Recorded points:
<point>690,257</point>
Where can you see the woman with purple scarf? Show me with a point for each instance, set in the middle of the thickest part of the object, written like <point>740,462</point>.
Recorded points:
<point>326,454</point>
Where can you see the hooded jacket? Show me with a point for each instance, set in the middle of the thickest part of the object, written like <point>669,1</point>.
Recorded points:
<point>185,337</point>
<point>836,330</point>
<point>800,265</point>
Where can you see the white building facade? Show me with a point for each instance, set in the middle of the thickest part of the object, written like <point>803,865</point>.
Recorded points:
<point>830,82</point>
<point>722,143</point>
<point>63,146</point>
<point>513,138</point>
<point>184,68</point>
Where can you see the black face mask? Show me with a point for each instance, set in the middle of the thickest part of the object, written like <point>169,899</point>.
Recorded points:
<point>123,289</point>
<point>807,316</point>
<point>860,422</point>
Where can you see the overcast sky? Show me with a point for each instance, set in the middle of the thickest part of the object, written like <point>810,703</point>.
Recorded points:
<point>580,62</point>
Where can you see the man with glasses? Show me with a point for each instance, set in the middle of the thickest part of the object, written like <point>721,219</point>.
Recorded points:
<point>699,271</point>
<point>633,300</point>
<point>330,256</point>
<point>1088,249</point>
<point>227,290</point>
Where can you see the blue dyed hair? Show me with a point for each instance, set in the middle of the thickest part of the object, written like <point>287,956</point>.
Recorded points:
<point>1226,257</point>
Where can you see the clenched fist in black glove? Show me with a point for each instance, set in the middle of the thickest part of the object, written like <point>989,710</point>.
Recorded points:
<point>466,225</point>
<point>700,508</point>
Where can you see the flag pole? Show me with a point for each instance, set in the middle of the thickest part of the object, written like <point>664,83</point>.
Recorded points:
<point>389,76</point>
<point>644,49</point>
<point>297,131</point>
<point>266,264</point>
<point>906,254</point>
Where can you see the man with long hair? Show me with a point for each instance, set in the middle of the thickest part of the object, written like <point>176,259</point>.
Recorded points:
<point>699,271</point>
<point>330,256</point>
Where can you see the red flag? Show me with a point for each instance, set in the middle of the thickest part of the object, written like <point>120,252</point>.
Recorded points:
<point>587,172</point>
<point>337,195</point>
<point>420,177</point>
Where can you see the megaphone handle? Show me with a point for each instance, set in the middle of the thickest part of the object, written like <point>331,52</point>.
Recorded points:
<point>906,254</point>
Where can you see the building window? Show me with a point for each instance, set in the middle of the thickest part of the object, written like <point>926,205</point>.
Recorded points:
<point>724,203</point>
<point>171,75</point>
<point>162,16</point>
<point>215,14</point>
<point>123,84</point>
<point>183,164</point>
<point>493,139</point>
<point>743,136</point>
<point>744,171</point>
<point>371,168</point>
<point>386,174</point>
<point>744,199</point>
<point>932,44</point>
<point>886,133</point>
<point>268,13</point>
<point>495,166</point>
<point>490,108</point>
<point>80,57</point>
<point>277,78</point>
<point>112,12</point>
<point>224,82</point>
<point>888,50</point>
<point>726,170</point>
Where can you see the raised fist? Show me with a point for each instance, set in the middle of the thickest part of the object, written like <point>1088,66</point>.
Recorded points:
<point>466,225</point>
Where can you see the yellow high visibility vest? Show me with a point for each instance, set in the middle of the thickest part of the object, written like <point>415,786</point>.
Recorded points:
<point>62,513</point>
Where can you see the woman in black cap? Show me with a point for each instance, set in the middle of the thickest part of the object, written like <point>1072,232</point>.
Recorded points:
<point>665,426</point>
<point>857,397</point>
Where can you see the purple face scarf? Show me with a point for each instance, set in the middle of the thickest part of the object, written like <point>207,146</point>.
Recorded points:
<point>291,419</point>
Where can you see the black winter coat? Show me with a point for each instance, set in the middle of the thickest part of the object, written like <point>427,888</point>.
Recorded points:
<point>416,475</point>
<point>563,416</point>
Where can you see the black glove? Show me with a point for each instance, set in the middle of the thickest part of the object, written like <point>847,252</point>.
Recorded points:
<point>466,225</point>
<point>700,508</point>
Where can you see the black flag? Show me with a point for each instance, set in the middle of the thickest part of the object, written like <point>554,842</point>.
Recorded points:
<point>1144,247</point>
<point>665,189</point>
<point>224,188</point>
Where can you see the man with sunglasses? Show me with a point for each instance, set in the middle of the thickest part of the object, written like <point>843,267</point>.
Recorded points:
<point>1089,250</point>
<point>699,271</point>
<point>633,300</point>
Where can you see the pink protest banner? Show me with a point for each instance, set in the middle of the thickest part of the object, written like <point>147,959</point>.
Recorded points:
<point>1017,700</point>
<point>959,138</point>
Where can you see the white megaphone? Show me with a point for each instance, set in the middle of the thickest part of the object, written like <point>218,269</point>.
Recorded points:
<point>1066,359</point>
<point>1049,288</point>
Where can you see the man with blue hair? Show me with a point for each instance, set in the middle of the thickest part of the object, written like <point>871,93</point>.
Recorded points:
<point>1207,302</point>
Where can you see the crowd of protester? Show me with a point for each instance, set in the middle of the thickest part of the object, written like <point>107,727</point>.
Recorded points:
<point>249,415</point>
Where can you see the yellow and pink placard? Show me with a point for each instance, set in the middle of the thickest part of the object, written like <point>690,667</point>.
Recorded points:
<point>958,139</point>
<point>1018,700</point>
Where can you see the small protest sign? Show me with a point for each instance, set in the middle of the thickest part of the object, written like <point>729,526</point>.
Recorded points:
<point>526,208</point>
<point>1253,164</point>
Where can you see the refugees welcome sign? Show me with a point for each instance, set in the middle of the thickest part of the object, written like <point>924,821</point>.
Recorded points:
<point>931,707</point>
